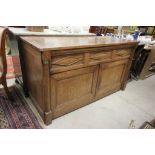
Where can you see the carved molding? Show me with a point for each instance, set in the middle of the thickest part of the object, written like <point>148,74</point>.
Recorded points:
<point>121,53</point>
<point>100,56</point>
<point>68,61</point>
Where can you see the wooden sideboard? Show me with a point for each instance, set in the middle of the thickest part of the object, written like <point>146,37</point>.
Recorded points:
<point>66,73</point>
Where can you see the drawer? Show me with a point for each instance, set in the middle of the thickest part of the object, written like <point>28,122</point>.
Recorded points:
<point>62,63</point>
<point>100,56</point>
<point>119,54</point>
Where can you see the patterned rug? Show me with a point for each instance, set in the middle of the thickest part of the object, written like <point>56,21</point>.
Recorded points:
<point>16,115</point>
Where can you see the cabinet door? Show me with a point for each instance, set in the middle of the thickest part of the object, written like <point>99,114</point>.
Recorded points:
<point>72,89</point>
<point>110,77</point>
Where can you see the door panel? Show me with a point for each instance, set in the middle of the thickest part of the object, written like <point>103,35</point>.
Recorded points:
<point>73,89</point>
<point>110,77</point>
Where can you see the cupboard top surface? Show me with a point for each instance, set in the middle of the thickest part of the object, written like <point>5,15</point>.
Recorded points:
<point>62,43</point>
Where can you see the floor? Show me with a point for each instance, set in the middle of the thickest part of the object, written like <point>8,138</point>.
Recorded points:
<point>136,104</point>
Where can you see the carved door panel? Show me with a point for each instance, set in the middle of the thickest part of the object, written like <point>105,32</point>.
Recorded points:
<point>72,89</point>
<point>110,77</point>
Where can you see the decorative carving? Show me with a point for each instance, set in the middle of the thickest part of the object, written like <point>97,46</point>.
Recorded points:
<point>67,61</point>
<point>121,53</point>
<point>100,56</point>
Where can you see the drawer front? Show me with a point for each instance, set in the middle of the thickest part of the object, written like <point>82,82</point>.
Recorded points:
<point>85,59</point>
<point>119,54</point>
<point>61,63</point>
<point>100,56</point>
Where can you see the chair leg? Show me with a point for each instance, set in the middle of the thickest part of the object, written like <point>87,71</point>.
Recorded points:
<point>4,83</point>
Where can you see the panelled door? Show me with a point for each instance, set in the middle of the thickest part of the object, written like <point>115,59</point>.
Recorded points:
<point>73,89</point>
<point>110,77</point>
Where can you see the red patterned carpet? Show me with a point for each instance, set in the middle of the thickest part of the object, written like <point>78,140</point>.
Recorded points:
<point>17,115</point>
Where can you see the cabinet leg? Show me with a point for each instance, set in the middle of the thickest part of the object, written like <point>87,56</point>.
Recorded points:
<point>48,118</point>
<point>26,93</point>
<point>123,86</point>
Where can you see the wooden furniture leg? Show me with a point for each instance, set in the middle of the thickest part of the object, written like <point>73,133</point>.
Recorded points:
<point>4,83</point>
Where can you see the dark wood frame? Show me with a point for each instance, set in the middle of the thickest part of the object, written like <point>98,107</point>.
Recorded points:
<point>4,62</point>
<point>145,72</point>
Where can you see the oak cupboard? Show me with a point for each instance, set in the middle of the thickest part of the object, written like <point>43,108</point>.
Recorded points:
<point>66,73</point>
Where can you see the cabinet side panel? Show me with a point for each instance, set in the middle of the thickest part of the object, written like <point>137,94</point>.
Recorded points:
<point>34,73</point>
